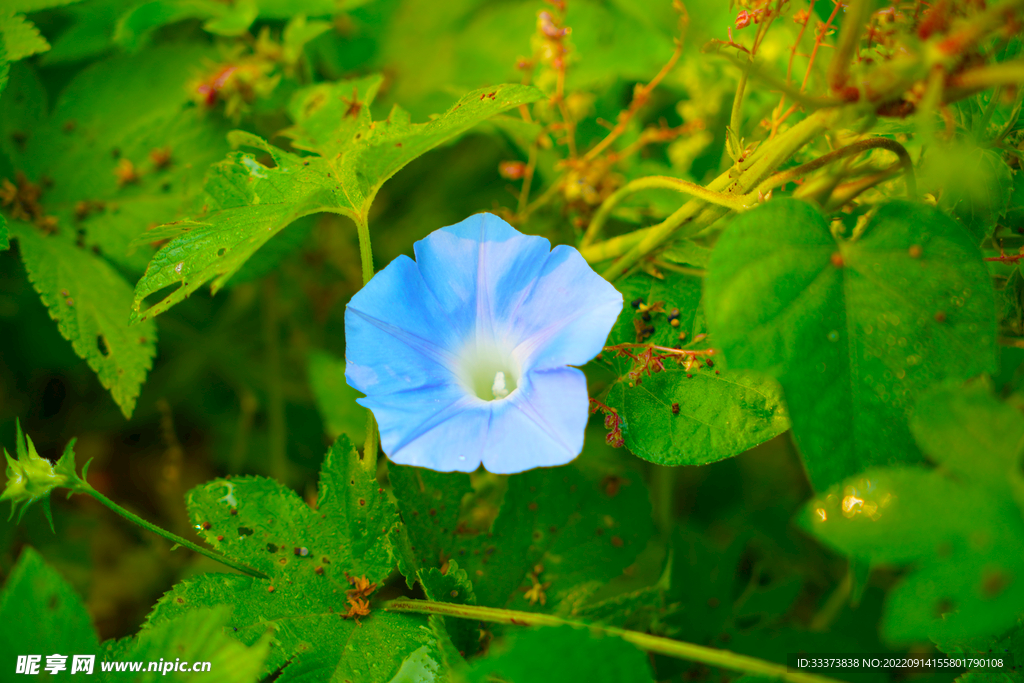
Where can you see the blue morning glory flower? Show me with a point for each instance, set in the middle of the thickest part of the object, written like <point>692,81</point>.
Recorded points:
<point>463,354</point>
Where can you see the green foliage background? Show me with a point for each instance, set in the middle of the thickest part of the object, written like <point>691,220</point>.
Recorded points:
<point>807,426</point>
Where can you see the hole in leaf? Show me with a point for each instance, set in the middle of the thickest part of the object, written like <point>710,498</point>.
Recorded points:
<point>221,251</point>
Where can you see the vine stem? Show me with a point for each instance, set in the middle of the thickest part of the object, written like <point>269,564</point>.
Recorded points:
<point>369,461</point>
<point>654,182</point>
<point>696,214</point>
<point>656,644</point>
<point>85,488</point>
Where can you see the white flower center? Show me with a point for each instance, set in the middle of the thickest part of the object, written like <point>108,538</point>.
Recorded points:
<point>487,371</point>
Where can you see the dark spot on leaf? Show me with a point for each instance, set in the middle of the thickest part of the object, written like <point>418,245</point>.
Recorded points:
<point>617,542</point>
<point>221,251</point>
<point>244,531</point>
<point>180,600</point>
<point>234,511</point>
<point>101,344</point>
<point>70,125</point>
<point>993,582</point>
<point>836,259</point>
<point>940,317</point>
<point>362,501</point>
<point>532,507</point>
<point>713,603</point>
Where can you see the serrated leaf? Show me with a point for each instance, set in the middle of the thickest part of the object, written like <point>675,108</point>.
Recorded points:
<point>119,111</point>
<point>21,37</point>
<point>561,653</point>
<point>308,554</point>
<point>958,526</point>
<point>335,399</point>
<point>40,614</point>
<point>453,585</point>
<point>574,529</point>
<point>348,527</point>
<point>721,412</point>
<point>248,202</point>
<point>89,301</point>
<point>197,636</point>
<point>853,329</point>
<point>430,503</point>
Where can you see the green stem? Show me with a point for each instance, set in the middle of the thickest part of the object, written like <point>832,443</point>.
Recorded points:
<point>656,644</point>
<point>84,487</point>
<point>780,179</point>
<point>369,461</point>
<point>654,182</point>
<point>697,215</point>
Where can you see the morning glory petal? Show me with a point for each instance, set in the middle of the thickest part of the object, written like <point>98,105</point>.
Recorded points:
<point>540,425</point>
<point>397,336</point>
<point>439,427</point>
<point>462,355</point>
<point>497,268</point>
<point>567,316</point>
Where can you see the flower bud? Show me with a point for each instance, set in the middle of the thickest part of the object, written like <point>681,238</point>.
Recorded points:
<point>31,478</point>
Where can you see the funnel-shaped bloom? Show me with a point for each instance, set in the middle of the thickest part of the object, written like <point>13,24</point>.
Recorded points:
<point>463,354</point>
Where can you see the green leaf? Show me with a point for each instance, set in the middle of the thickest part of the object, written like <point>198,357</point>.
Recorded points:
<point>136,25</point>
<point>854,329</point>
<point>454,586</point>
<point>21,37</point>
<point>5,243</point>
<point>308,554</point>
<point>120,111</point>
<point>89,300</point>
<point>40,614</point>
<point>197,636</point>
<point>562,653</point>
<point>557,529</point>
<point>335,399</point>
<point>349,526</point>
<point>248,202</point>
<point>430,503</point>
<point>958,526</point>
<point>721,412</point>
<point>974,184</point>
<point>438,49</point>
<point>90,32</point>
<point>688,252</point>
